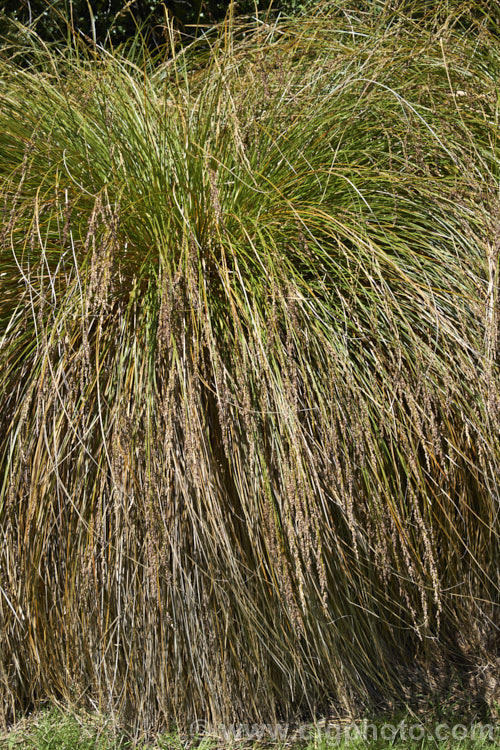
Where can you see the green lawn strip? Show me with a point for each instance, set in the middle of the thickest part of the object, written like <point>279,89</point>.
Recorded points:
<point>54,729</point>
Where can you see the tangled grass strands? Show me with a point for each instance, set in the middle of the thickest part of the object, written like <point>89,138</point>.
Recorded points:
<point>249,371</point>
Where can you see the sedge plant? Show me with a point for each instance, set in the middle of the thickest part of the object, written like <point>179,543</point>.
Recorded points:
<point>249,393</point>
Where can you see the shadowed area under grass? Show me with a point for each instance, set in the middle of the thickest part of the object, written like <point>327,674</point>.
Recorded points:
<point>250,404</point>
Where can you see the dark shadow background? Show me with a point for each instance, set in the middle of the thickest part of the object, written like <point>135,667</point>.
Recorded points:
<point>118,20</point>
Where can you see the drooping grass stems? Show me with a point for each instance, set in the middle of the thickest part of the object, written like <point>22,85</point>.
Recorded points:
<point>249,371</point>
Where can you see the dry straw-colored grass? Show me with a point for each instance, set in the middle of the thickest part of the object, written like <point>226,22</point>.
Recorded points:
<point>250,405</point>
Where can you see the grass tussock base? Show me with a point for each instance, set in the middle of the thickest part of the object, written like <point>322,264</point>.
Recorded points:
<point>250,404</point>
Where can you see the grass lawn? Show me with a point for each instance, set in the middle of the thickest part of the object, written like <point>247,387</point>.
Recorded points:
<point>53,729</point>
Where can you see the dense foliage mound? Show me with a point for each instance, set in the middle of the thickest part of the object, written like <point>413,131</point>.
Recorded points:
<point>249,387</point>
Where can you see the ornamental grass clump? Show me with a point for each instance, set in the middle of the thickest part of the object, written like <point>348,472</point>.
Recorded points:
<point>249,392</point>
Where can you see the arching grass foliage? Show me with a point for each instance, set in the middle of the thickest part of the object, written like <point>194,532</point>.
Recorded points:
<point>249,393</point>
